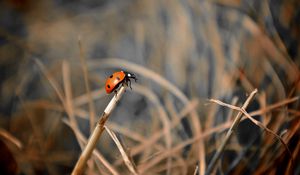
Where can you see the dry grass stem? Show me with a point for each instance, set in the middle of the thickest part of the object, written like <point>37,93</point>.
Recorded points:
<point>51,80</point>
<point>179,166</point>
<point>6,135</point>
<point>157,135</point>
<point>196,170</point>
<point>83,99</point>
<point>68,92</point>
<point>256,122</point>
<point>235,123</point>
<point>274,106</point>
<point>85,155</point>
<point>162,115</point>
<point>162,156</point>
<point>97,154</point>
<point>87,86</point>
<point>128,161</point>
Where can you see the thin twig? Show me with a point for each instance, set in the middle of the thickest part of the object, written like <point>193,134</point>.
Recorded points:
<point>51,80</point>
<point>85,155</point>
<point>258,123</point>
<point>81,138</point>
<point>6,135</point>
<point>196,170</point>
<point>229,133</point>
<point>87,86</point>
<point>128,162</point>
<point>164,118</point>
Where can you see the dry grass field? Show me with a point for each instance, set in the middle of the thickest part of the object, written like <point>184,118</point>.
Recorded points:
<point>200,65</point>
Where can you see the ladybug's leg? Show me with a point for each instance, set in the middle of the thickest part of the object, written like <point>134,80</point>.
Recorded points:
<point>129,82</point>
<point>133,77</point>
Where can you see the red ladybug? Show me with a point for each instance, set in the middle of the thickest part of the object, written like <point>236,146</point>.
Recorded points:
<point>114,81</point>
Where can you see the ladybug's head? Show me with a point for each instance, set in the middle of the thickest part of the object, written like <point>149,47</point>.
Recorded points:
<point>130,75</point>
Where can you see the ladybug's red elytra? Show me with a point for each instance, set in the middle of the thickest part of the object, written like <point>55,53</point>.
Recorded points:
<point>114,81</point>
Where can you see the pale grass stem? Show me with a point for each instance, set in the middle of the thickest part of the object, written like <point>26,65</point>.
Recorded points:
<point>86,153</point>
<point>87,86</point>
<point>234,125</point>
<point>196,170</point>
<point>6,135</point>
<point>128,161</point>
<point>258,123</point>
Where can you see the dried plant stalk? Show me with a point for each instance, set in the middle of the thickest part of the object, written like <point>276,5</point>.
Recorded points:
<point>258,123</point>
<point>81,138</point>
<point>6,135</point>
<point>196,170</point>
<point>128,162</point>
<point>87,86</point>
<point>85,155</point>
<point>229,133</point>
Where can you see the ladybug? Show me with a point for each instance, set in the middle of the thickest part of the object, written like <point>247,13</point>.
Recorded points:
<point>114,81</point>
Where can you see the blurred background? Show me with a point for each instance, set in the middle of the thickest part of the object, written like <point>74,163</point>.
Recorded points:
<point>56,55</point>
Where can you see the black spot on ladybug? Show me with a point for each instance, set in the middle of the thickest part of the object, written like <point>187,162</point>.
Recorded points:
<point>108,86</point>
<point>118,78</point>
<point>111,76</point>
